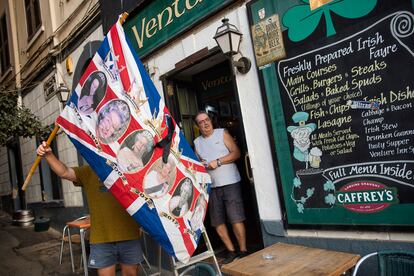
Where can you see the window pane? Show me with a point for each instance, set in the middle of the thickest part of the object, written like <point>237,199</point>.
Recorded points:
<point>5,40</point>
<point>33,19</point>
<point>4,45</point>
<point>36,10</point>
<point>2,39</point>
<point>29,18</point>
<point>3,65</point>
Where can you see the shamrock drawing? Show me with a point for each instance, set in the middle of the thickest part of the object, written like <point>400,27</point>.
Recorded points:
<point>297,182</point>
<point>329,186</point>
<point>300,207</point>
<point>330,199</point>
<point>301,21</point>
<point>309,192</point>
<point>302,200</point>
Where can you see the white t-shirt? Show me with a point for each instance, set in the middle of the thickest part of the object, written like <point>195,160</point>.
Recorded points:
<point>212,148</point>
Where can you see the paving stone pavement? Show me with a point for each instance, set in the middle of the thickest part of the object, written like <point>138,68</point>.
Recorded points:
<point>26,252</point>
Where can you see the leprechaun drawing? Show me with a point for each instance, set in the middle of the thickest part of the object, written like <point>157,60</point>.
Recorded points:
<point>301,136</point>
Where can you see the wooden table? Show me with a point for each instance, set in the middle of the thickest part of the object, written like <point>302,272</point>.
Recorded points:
<point>292,259</point>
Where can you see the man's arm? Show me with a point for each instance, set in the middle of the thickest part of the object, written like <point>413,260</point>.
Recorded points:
<point>233,155</point>
<point>55,164</point>
<point>203,161</point>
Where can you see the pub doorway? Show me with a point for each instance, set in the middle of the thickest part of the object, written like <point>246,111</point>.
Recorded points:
<point>208,84</point>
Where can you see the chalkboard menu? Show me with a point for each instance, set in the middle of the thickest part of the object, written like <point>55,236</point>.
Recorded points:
<point>347,105</point>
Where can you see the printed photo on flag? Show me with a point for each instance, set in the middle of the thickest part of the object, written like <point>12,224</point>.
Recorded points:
<point>118,121</point>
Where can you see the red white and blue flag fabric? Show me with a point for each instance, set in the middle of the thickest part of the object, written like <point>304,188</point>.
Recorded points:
<point>117,120</point>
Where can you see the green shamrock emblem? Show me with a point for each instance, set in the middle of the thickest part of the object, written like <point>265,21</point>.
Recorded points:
<point>301,21</point>
<point>328,186</point>
<point>296,182</point>
<point>309,192</point>
<point>300,207</point>
<point>330,199</point>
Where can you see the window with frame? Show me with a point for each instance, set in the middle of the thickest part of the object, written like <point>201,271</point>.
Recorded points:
<point>33,19</point>
<point>4,46</point>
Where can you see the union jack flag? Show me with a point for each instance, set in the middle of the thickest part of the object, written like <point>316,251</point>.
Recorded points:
<point>117,120</point>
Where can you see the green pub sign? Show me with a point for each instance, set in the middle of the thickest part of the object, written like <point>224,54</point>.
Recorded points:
<point>339,105</point>
<point>162,20</point>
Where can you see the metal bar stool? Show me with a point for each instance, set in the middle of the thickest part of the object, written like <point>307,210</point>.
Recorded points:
<point>83,224</point>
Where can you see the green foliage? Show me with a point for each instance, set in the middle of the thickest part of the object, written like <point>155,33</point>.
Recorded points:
<point>302,21</point>
<point>18,121</point>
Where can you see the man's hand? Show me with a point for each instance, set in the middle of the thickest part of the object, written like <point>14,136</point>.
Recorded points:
<point>212,165</point>
<point>55,164</point>
<point>43,149</point>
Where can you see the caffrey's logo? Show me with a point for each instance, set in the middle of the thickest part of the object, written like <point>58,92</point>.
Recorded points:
<point>366,196</point>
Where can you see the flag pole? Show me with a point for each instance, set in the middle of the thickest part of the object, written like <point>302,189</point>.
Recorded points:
<point>39,158</point>
<point>124,16</point>
<point>52,135</point>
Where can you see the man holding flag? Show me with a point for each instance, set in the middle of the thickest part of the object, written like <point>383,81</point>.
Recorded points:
<point>114,234</point>
<point>128,105</point>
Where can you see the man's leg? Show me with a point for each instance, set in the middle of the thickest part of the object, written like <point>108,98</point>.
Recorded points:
<point>224,236</point>
<point>107,271</point>
<point>218,221</point>
<point>130,255</point>
<point>217,217</point>
<point>103,258</point>
<point>240,233</point>
<point>129,270</point>
<point>235,213</point>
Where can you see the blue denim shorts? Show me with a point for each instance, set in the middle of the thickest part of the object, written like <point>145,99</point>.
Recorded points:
<point>107,254</point>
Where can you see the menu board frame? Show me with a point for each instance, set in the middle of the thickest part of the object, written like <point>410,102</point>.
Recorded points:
<point>283,123</point>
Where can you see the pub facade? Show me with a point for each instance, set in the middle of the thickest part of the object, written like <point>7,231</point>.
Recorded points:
<point>318,98</point>
<point>321,118</point>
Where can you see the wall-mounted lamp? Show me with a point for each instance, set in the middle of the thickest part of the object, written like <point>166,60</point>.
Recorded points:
<point>62,93</point>
<point>228,39</point>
